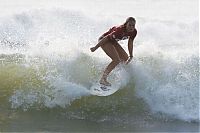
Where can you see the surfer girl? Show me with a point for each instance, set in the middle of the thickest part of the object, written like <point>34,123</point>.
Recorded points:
<point>109,43</point>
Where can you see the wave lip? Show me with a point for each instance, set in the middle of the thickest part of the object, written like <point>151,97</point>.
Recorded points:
<point>169,84</point>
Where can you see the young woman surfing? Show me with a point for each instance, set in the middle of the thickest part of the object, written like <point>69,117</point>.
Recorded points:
<point>109,43</point>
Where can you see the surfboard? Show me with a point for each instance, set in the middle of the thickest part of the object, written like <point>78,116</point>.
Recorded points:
<point>102,90</point>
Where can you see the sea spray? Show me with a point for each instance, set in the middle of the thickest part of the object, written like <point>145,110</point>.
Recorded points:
<point>55,66</point>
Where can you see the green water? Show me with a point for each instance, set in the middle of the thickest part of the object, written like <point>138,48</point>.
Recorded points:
<point>87,115</point>
<point>120,112</point>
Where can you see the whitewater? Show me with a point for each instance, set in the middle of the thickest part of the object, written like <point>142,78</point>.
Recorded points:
<point>47,69</point>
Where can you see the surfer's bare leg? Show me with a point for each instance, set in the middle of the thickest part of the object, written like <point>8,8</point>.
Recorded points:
<point>121,52</point>
<point>111,51</point>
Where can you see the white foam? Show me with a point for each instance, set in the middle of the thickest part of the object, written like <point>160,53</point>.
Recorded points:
<point>169,85</point>
<point>165,64</point>
<point>61,93</point>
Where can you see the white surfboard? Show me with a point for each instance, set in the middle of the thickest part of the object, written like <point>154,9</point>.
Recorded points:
<point>102,90</point>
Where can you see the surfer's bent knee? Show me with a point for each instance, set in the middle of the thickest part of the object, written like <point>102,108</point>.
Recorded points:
<point>117,61</point>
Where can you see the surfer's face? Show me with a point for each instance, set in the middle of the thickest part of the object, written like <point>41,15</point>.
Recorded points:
<point>130,26</point>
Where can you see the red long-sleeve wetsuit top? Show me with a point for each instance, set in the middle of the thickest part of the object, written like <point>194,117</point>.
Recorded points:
<point>119,33</point>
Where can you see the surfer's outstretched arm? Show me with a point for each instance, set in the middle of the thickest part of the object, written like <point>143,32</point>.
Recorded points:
<point>100,43</point>
<point>130,49</point>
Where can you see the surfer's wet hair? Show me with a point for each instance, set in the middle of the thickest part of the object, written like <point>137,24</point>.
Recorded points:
<point>128,20</point>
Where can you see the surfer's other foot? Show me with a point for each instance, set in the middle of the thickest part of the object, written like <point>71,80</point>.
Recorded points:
<point>104,82</point>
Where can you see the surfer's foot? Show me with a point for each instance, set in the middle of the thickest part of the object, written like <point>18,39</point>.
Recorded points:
<point>104,82</point>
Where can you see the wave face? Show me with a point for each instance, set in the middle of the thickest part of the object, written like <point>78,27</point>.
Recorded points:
<point>45,62</point>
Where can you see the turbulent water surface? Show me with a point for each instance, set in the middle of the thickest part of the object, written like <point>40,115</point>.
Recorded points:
<point>46,68</point>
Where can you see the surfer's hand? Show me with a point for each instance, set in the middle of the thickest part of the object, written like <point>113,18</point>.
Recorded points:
<point>129,59</point>
<point>93,49</point>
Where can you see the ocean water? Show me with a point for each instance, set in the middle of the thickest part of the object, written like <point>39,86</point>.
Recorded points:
<point>47,69</point>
